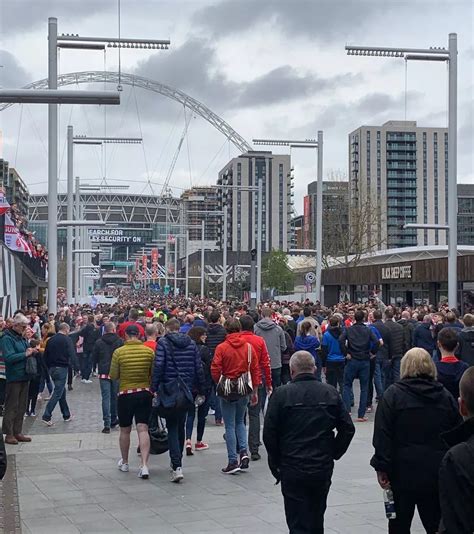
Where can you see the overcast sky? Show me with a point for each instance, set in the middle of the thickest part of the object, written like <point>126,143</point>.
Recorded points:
<point>269,68</point>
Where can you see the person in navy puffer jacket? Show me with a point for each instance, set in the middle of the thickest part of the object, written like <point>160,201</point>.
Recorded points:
<point>188,364</point>
<point>311,344</point>
<point>333,360</point>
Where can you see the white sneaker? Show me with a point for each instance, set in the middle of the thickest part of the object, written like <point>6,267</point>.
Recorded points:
<point>143,472</point>
<point>211,412</point>
<point>84,381</point>
<point>123,466</point>
<point>177,475</point>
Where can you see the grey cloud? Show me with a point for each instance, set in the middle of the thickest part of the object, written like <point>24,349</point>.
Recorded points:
<point>193,68</point>
<point>12,74</point>
<point>27,15</point>
<point>320,20</point>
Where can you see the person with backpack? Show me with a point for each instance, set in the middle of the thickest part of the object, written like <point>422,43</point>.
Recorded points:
<point>177,371</point>
<point>235,370</point>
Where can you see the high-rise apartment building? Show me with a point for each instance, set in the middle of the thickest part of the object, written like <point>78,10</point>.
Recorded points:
<point>16,191</point>
<point>466,214</point>
<point>277,201</point>
<point>199,203</point>
<point>335,216</point>
<point>398,174</point>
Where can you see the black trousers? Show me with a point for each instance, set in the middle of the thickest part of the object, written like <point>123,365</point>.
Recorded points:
<point>305,504</point>
<point>370,394</point>
<point>335,375</point>
<point>428,509</point>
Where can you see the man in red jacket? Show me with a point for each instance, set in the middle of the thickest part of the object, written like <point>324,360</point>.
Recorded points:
<point>260,348</point>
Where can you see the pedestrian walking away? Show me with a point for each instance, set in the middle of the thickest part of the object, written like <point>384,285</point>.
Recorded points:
<point>298,434</point>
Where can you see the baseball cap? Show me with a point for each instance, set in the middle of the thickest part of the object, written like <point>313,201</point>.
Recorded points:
<point>132,330</point>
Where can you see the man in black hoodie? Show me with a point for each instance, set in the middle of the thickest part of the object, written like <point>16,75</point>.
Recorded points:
<point>102,357</point>
<point>456,475</point>
<point>465,350</point>
<point>89,334</point>
<point>216,334</point>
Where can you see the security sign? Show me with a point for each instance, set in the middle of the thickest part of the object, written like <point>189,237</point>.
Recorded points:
<point>310,277</point>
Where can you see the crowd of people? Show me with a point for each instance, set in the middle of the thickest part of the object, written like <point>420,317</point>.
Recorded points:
<point>192,360</point>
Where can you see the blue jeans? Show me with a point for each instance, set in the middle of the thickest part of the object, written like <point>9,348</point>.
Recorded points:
<point>215,403</point>
<point>109,392</point>
<point>396,369</point>
<point>59,377</point>
<point>233,413</point>
<point>86,366</point>
<point>382,376</point>
<point>45,381</point>
<point>201,422</point>
<point>361,370</point>
<point>175,425</point>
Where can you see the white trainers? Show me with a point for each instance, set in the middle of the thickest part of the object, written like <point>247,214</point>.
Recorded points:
<point>143,472</point>
<point>84,381</point>
<point>123,466</point>
<point>177,475</point>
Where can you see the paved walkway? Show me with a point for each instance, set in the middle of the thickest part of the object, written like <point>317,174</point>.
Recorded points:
<point>68,482</point>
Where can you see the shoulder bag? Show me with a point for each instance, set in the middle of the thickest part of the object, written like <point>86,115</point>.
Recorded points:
<point>233,389</point>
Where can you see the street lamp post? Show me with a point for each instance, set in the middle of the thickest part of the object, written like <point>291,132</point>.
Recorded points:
<point>436,54</point>
<point>81,140</point>
<point>317,144</point>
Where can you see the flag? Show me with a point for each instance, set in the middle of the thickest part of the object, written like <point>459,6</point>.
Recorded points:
<point>13,238</point>
<point>154,263</point>
<point>144,266</point>
<point>4,205</point>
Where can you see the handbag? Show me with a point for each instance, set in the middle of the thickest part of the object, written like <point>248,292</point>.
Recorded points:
<point>232,389</point>
<point>175,395</point>
<point>31,367</point>
<point>158,434</point>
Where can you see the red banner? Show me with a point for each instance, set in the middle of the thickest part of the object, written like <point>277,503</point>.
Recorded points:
<point>137,269</point>
<point>154,263</point>
<point>306,222</point>
<point>144,266</point>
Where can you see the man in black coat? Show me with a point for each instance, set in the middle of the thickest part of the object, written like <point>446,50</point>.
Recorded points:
<point>216,334</point>
<point>456,475</point>
<point>102,357</point>
<point>3,457</point>
<point>299,437</point>
<point>465,350</point>
<point>90,334</point>
<point>398,345</point>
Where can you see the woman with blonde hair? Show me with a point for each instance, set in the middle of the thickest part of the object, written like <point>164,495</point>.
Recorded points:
<point>410,419</point>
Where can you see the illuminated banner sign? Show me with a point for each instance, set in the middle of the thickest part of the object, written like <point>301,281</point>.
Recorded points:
<point>112,235</point>
<point>397,272</point>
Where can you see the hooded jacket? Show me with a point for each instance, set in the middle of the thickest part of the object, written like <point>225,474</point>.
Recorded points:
<point>308,343</point>
<point>450,371</point>
<point>409,421</point>
<point>12,349</point>
<point>274,338</point>
<point>456,481</point>
<point>231,359</point>
<point>102,352</point>
<point>465,350</point>
<point>423,338</point>
<point>261,353</point>
<point>178,355</point>
<point>330,347</point>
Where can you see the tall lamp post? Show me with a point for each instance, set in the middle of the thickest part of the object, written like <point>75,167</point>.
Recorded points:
<point>81,140</point>
<point>315,144</point>
<point>436,54</point>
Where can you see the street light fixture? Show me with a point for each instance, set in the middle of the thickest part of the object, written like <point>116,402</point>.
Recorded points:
<point>58,96</point>
<point>436,54</point>
<point>317,144</point>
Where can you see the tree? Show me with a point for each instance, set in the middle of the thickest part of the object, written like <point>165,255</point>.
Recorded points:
<point>351,233</point>
<point>275,272</point>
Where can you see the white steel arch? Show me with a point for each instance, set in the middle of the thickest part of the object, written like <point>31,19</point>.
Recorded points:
<point>133,80</point>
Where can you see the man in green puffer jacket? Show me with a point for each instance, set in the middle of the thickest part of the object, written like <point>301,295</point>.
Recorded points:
<point>15,351</point>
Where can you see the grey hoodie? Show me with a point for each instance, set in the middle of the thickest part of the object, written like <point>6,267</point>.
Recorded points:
<point>274,339</point>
